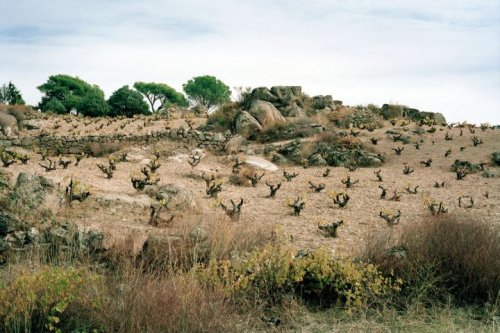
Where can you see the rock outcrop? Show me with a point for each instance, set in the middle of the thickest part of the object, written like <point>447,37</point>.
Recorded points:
<point>245,124</point>
<point>35,192</point>
<point>174,197</point>
<point>389,111</point>
<point>266,114</point>
<point>8,124</point>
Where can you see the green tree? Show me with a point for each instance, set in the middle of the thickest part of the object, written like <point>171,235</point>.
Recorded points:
<point>9,94</point>
<point>72,93</point>
<point>126,102</point>
<point>159,95</point>
<point>93,104</point>
<point>207,92</point>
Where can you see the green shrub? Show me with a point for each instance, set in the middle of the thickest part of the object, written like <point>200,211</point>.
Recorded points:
<point>37,301</point>
<point>391,111</point>
<point>274,271</point>
<point>222,119</point>
<point>362,118</point>
<point>301,128</point>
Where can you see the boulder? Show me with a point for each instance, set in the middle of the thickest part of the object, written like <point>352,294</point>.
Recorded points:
<point>292,110</point>
<point>264,94</point>
<point>337,156</point>
<point>245,124</point>
<point>317,160</point>
<point>8,123</point>
<point>175,197</point>
<point>35,193</point>
<point>261,163</point>
<point>219,137</point>
<point>234,145</point>
<point>279,159</point>
<point>439,118</point>
<point>322,102</point>
<point>287,94</point>
<point>32,124</point>
<point>292,150</point>
<point>7,223</point>
<point>288,100</point>
<point>266,114</point>
<point>390,111</point>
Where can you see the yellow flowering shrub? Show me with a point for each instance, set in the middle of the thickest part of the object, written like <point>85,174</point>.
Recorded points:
<point>275,270</point>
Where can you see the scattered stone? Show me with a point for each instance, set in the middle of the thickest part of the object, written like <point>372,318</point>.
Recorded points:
<point>317,160</point>
<point>261,163</point>
<point>279,159</point>
<point>174,196</point>
<point>233,146</point>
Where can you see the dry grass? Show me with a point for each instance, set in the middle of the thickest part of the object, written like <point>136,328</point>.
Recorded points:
<point>454,255</point>
<point>340,113</point>
<point>240,177</point>
<point>198,242</point>
<point>138,302</point>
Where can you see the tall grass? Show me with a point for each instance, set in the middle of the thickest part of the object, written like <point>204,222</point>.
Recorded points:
<point>455,256</point>
<point>219,276</point>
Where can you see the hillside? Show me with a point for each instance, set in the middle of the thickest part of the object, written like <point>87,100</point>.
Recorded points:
<point>114,218</point>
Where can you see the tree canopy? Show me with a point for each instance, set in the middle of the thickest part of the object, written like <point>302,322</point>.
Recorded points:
<point>9,94</point>
<point>159,95</point>
<point>126,102</point>
<point>207,91</point>
<point>64,93</point>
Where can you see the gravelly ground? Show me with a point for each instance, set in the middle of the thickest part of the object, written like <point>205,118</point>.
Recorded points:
<point>120,210</point>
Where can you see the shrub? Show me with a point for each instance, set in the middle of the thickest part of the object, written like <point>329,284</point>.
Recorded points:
<point>362,118</point>
<point>391,111</point>
<point>453,255</point>
<point>222,119</point>
<point>37,301</point>
<point>340,113</point>
<point>275,271</point>
<point>300,128</point>
<point>201,241</point>
<point>336,139</point>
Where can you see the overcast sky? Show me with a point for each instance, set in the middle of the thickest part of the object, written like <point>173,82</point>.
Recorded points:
<point>441,56</point>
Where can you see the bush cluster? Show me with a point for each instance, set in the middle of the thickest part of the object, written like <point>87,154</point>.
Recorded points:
<point>450,256</point>
<point>37,301</point>
<point>276,270</point>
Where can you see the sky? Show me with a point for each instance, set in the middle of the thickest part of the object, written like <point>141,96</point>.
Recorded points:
<point>440,56</point>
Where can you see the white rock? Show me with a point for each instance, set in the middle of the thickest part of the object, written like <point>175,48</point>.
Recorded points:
<point>261,163</point>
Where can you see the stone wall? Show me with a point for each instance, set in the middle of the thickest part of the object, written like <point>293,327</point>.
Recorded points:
<point>69,144</point>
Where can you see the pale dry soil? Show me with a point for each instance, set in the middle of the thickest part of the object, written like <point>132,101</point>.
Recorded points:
<point>118,209</point>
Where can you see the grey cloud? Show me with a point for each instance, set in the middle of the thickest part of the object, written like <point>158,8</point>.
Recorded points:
<point>437,55</point>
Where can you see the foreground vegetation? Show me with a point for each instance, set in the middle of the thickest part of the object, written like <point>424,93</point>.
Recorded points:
<point>441,274</point>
